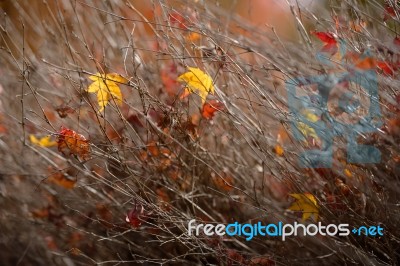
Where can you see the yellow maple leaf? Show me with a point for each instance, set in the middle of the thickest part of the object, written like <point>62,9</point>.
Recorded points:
<point>305,129</point>
<point>43,142</point>
<point>306,203</point>
<point>197,82</point>
<point>106,87</point>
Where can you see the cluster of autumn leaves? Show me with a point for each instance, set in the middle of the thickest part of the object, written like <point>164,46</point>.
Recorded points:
<point>107,89</point>
<point>106,86</point>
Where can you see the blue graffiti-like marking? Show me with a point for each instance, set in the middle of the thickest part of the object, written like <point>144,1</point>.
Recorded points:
<point>328,128</point>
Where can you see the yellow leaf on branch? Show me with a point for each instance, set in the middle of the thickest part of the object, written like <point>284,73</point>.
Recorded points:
<point>305,129</point>
<point>43,142</point>
<point>197,82</point>
<point>307,204</point>
<point>106,87</point>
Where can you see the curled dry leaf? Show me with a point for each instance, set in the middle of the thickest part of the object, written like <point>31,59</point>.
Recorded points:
<point>135,215</point>
<point>224,182</point>
<point>73,143</point>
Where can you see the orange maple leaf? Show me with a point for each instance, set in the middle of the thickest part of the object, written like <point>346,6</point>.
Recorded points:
<point>69,140</point>
<point>209,108</point>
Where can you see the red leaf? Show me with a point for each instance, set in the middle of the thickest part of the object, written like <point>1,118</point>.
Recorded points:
<point>389,12</point>
<point>386,68</point>
<point>326,37</point>
<point>134,216</point>
<point>209,109</point>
